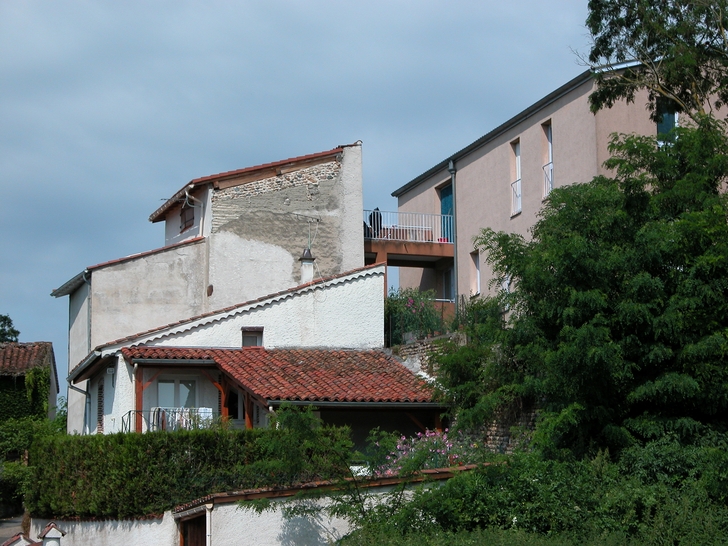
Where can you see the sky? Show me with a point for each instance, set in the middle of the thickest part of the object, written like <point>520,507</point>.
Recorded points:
<point>107,108</point>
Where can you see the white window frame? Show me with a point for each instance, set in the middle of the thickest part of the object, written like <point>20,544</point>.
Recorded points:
<point>176,380</point>
<point>548,168</point>
<point>516,198</point>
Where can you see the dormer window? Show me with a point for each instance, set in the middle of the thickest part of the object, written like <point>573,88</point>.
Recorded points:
<point>187,217</point>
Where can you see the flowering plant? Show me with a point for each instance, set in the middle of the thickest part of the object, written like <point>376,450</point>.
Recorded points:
<point>431,449</point>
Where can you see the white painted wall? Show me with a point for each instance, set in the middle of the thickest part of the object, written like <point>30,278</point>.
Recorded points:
<point>146,532</point>
<point>346,312</point>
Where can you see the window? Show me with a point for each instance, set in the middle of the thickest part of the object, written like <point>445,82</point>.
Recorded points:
<point>516,184</point>
<point>177,393</point>
<point>187,217</point>
<point>548,167</point>
<point>475,272</point>
<point>667,119</point>
<point>100,407</point>
<point>252,336</point>
<point>448,284</point>
<point>446,210</point>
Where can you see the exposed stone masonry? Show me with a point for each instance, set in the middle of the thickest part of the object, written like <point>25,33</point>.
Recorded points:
<point>309,178</point>
<point>511,428</point>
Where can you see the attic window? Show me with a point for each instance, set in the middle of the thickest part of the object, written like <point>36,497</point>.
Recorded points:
<point>252,336</point>
<point>187,217</point>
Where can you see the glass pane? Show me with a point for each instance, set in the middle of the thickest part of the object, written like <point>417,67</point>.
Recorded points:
<point>165,394</point>
<point>187,393</point>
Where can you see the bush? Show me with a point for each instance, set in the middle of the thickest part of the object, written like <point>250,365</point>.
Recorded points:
<point>409,311</point>
<point>127,475</point>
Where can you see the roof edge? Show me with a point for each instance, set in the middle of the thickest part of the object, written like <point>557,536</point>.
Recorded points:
<point>515,120</point>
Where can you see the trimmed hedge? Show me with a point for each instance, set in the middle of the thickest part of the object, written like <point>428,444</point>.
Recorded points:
<point>132,475</point>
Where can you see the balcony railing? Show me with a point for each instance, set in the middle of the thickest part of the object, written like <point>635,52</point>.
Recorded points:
<point>515,197</point>
<point>169,419</point>
<point>408,227</point>
<point>548,178</point>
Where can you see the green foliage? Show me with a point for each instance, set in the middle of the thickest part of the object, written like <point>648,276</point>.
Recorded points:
<point>407,310</point>
<point>127,475</point>
<point>530,500</point>
<point>7,332</point>
<point>617,322</point>
<point>680,46</point>
<point>16,437</point>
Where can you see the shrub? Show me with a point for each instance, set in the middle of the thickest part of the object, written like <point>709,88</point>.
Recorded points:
<point>127,475</point>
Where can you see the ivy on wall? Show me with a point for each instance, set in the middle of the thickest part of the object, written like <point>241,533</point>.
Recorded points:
<point>22,396</point>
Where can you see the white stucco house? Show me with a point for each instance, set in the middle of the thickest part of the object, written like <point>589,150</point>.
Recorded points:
<point>229,238</point>
<point>318,343</point>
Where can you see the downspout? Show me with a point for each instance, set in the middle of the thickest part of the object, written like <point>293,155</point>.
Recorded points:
<point>87,280</point>
<point>452,170</point>
<point>208,524</point>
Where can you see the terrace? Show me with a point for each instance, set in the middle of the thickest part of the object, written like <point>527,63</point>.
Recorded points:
<point>407,239</point>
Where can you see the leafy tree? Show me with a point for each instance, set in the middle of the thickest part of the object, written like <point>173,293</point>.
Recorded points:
<point>617,324</point>
<point>678,50</point>
<point>7,332</point>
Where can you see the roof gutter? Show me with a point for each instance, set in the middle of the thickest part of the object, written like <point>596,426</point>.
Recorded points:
<point>356,405</point>
<point>92,357</point>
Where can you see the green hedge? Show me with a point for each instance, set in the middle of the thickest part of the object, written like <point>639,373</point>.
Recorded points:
<point>128,475</point>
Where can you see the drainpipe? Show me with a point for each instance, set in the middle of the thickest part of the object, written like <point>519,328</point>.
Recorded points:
<point>86,279</point>
<point>452,170</point>
<point>208,524</point>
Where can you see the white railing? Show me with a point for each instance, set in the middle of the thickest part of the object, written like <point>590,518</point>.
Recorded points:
<point>515,197</point>
<point>548,178</point>
<point>159,418</point>
<point>408,226</point>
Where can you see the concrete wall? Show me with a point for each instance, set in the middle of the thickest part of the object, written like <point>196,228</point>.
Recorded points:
<point>484,176</point>
<point>144,532</point>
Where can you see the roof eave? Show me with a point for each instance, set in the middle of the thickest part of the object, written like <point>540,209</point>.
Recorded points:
<point>515,120</point>
<point>70,286</point>
<point>357,405</point>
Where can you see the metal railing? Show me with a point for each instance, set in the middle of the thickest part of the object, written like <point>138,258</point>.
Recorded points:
<point>548,178</point>
<point>515,197</point>
<point>408,226</point>
<point>170,419</point>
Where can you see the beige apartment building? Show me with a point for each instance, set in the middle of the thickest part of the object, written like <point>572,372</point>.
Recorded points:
<point>500,181</point>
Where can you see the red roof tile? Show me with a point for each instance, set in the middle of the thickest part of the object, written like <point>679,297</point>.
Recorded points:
<point>314,375</point>
<point>19,358</point>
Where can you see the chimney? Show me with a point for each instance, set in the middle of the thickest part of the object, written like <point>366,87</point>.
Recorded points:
<point>306,260</point>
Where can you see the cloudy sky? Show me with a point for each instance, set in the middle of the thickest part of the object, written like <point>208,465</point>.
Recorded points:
<point>107,108</point>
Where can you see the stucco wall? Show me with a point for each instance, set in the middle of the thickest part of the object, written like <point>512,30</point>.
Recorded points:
<point>346,312</point>
<point>147,532</point>
<point>483,180</point>
<point>260,229</point>
<point>343,314</point>
<point>140,294</point>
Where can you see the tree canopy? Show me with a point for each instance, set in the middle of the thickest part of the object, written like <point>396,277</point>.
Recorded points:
<point>7,332</point>
<point>676,49</point>
<point>617,322</point>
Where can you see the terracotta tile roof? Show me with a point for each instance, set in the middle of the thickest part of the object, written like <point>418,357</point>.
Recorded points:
<point>19,358</point>
<point>429,475</point>
<point>266,169</point>
<point>312,375</point>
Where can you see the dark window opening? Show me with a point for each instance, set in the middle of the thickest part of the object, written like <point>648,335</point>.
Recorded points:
<point>187,217</point>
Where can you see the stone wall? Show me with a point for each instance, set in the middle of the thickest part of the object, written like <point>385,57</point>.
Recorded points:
<point>511,428</point>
